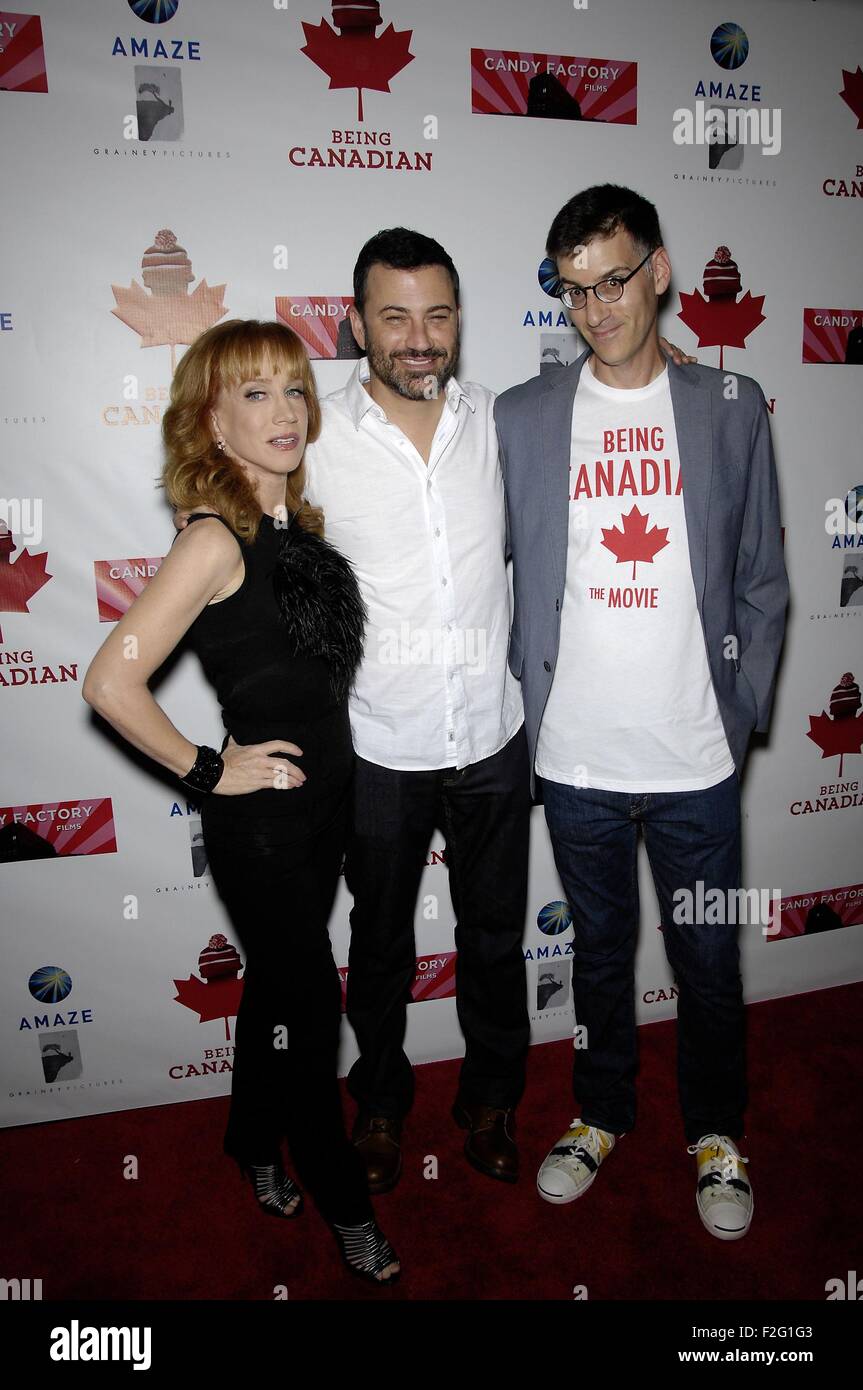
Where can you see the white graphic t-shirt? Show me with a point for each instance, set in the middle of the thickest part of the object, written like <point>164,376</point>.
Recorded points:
<point>632,706</point>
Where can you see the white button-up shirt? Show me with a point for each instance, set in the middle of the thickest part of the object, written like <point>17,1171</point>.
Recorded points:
<point>427,544</point>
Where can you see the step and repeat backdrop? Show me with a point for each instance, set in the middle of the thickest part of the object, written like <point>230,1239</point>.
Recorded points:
<point>170,163</point>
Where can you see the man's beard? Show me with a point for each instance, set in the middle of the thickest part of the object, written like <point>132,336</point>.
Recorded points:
<point>414,384</point>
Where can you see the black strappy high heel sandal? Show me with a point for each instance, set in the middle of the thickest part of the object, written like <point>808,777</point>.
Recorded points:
<point>273,1189</point>
<point>367,1252</point>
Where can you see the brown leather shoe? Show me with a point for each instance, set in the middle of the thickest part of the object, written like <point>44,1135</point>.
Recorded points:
<point>490,1146</point>
<point>378,1141</point>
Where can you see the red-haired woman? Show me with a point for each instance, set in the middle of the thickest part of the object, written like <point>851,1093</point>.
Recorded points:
<point>275,615</point>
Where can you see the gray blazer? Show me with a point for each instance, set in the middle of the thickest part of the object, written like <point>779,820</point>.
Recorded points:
<point>732,517</point>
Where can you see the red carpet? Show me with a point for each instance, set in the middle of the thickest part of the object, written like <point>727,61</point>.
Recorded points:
<point>188,1227</point>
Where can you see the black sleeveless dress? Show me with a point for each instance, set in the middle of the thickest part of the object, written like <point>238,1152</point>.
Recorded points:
<point>281,652</point>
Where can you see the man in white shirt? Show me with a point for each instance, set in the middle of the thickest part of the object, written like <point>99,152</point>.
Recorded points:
<point>406,470</point>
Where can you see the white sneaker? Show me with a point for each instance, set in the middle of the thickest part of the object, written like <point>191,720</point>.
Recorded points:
<point>571,1166</point>
<point>724,1196</point>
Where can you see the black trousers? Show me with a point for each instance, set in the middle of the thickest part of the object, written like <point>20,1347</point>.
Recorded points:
<point>484,813</point>
<point>279,896</point>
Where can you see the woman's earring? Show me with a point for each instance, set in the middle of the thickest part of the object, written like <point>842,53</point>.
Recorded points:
<point>220,444</point>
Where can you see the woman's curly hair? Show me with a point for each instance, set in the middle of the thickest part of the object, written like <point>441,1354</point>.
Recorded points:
<point>196,471</point>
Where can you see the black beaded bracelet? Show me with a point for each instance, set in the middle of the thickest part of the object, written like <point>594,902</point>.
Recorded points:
<point>205,772</point>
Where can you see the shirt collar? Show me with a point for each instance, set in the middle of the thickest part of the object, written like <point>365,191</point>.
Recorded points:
<point>359,402</point>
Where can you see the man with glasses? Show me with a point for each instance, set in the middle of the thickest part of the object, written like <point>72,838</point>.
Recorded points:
<point>650,597</point>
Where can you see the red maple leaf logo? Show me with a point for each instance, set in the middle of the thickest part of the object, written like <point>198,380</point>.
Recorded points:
<point>355,58</point>
<point>210,999</point>
<point>635,542</point>
<point>836,737</point>
<point>20,579</point>
<point>852,93</point>
<point>721,323</point>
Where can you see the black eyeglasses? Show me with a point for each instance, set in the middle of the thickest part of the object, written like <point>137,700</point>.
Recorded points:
<point>606,291</point>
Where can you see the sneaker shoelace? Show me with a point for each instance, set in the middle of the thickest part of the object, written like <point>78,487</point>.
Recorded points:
<point>588,1141</point>
<point>722,1167</point>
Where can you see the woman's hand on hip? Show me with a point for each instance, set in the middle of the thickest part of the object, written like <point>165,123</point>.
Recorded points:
<point>250,768</point>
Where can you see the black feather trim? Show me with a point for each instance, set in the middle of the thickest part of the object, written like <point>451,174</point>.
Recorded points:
<point>320,604</point>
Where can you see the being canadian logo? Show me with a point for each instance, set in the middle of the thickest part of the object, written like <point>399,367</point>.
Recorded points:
<point>717,317</point>
<point>353,56</point>
<point>849,185</point>
<point>119,582</point>
<point>837,732</point>
<point>162,311</point>
<point>213,994</point>
<point>322,322</point>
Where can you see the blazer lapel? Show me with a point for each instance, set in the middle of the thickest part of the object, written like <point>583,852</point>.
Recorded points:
<point>555,412</point>
<point>691,406</point>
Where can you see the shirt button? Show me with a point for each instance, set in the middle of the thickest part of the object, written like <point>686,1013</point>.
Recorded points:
<point>443,581</point>
<point>437,531</point>
<point>547,665</point>
<point>451,737</point>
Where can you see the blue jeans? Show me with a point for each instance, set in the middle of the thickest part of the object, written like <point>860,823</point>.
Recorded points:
<point>689,836</point>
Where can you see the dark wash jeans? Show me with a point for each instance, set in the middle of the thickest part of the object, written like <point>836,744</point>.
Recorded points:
<point>689,836</point>
<point>484,813</point>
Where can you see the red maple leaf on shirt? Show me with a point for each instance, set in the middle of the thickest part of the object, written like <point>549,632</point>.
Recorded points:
<point>836,737</point>
<point>358,59</point>
<point>852,93</point>
<point>635,542</point>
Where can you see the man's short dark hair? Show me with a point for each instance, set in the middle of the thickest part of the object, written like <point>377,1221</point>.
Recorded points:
<point>400,249</point>
<point>601,211</point>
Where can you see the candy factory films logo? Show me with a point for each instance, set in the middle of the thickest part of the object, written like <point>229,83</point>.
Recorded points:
<point>22,55</point>
<point>49,984</point>
<point>355,56</point>
<point>56,829</point>
<point>718,317</point>
<point>322,322</point>
<point>729,46</point>
<point>217,990</point>
<point>807,914</point>
<point>434,978</point>
<point>833,335</point>
<point>119,582</point>
<point>154,11</point>
<point>511,83</point>
<point>164,313</point>
<point>554,918</point>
